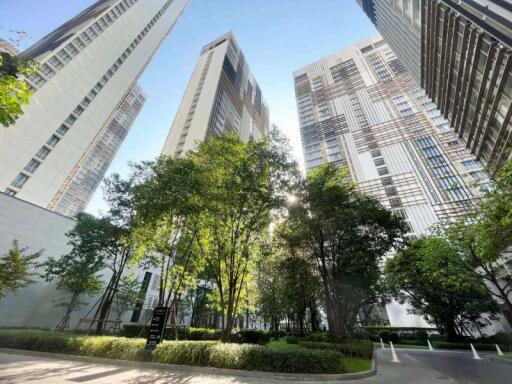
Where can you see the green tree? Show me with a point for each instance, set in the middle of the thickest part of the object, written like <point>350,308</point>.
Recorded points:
<point>15,268</point>
<point>128,294</point>
<point>242,183</point>
<point>14,92</point>
<point>484,238</point>
<point>110,239</point>
<point>165,199</point>
<point>431,276</point>
<point>288,289</point>
<point>75,273</point>
<point>345,234</point>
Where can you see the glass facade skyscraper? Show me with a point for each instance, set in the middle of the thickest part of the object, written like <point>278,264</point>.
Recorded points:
<point>88,72</point>
<point>460,52</point>
<point>222,96</point>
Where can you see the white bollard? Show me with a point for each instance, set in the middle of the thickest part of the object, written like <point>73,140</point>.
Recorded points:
<point>382,343</point>
<point>476,356</point>
<point>394,357</point>
<point>500,353</point>
<point>429,345</point>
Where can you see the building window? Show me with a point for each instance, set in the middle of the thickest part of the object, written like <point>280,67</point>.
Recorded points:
<point>32,166</point>
<point>386,181</point>
<point>70,120</point>
<point>378,162</point>
<point>47,71</point>
<point>19,180</point>
<point>10,192</point>
<point>78,110</point>
<point>62,130</point>
<point>376,153</point>
<point>42,153</point>
<point>53,140</point>
<point>382,171</point>
<point>391,191</point>
<point>56,62</point>
<point>395,203</point>
<point>470,164</point>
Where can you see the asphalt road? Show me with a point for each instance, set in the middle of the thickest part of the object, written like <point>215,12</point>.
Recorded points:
<point>417,366</point>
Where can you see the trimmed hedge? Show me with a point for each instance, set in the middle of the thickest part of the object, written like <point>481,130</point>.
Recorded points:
<point>251,336</point>
<point>199,353</point>
<point>478,346</point>
<point>136,330</point>
<point>362,349</point>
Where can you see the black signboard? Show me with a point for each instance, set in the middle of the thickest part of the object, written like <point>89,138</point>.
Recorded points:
<point>157,327</point>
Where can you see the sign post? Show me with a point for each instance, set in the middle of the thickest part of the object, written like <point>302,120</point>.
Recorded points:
<point>157,327</point>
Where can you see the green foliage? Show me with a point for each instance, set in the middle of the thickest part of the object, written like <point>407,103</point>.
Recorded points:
<point>242,183</point>
<point>345,234</point>
<point>318,337</point>
<point>59,342</point>
<point>128,293</point>
<point>478,346</point>
<point>384,335</point>
<point>484,236</point>
<point>15,268</point>
<point>293,339</point>
<point>431,276</point>
<point>251,336</point>
<point>363,349</point>
<point>282,294</point>
<point>259,358</point>
<point>199,353</point>
<point>14,92</point>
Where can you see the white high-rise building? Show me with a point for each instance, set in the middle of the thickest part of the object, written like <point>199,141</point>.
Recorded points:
<point>222,95</point>
<point>89,66</point>
<point>359,108</point>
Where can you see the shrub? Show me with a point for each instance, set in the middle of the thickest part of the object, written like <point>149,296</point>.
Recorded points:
<point>252,336</point>
<point>198,353</point>
<point>478,346</point>
<point>136,330</point>
<point>317,337</point>
<point>259,358</point>
<point>413,342</point>
<point>60,342</point>
<point>421,335</point>
<point>293,339</point>
<point>384,335</point>
<point>394,337</point>
<point>354,349</point>
<point>183,352</point>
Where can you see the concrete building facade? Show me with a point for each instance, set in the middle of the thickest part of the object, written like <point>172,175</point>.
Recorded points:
<point>460,52</point>
<point>89,67</point>
<point>222,96</point>
<point>360,109</point>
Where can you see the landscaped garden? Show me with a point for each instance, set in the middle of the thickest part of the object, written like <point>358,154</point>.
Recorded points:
<point>277,356</point>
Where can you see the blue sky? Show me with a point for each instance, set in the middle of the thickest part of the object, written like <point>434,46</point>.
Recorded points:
<point>277,37</point>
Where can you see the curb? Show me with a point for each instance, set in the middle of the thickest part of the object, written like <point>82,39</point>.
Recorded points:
<point>202,370</point>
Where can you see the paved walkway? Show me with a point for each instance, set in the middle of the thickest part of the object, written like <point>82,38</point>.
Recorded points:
<point>417,366</point>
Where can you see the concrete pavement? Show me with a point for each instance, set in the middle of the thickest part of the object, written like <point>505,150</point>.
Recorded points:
<point>417,366</point>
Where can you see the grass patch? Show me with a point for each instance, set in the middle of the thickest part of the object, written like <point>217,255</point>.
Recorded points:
<point>282,345</point>
<point>354,364</point>
<point>506,357</point>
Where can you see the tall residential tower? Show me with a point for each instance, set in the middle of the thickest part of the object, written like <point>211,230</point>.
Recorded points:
<point>360,109</point>
<point>222,96</point>
<point>83,101</point>
<point>460,52</point>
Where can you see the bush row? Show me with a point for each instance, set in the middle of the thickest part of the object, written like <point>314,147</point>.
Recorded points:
<point>363,349</point>
<point>200,353</point>
<point>241,336</point>
<point>478,346</point>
